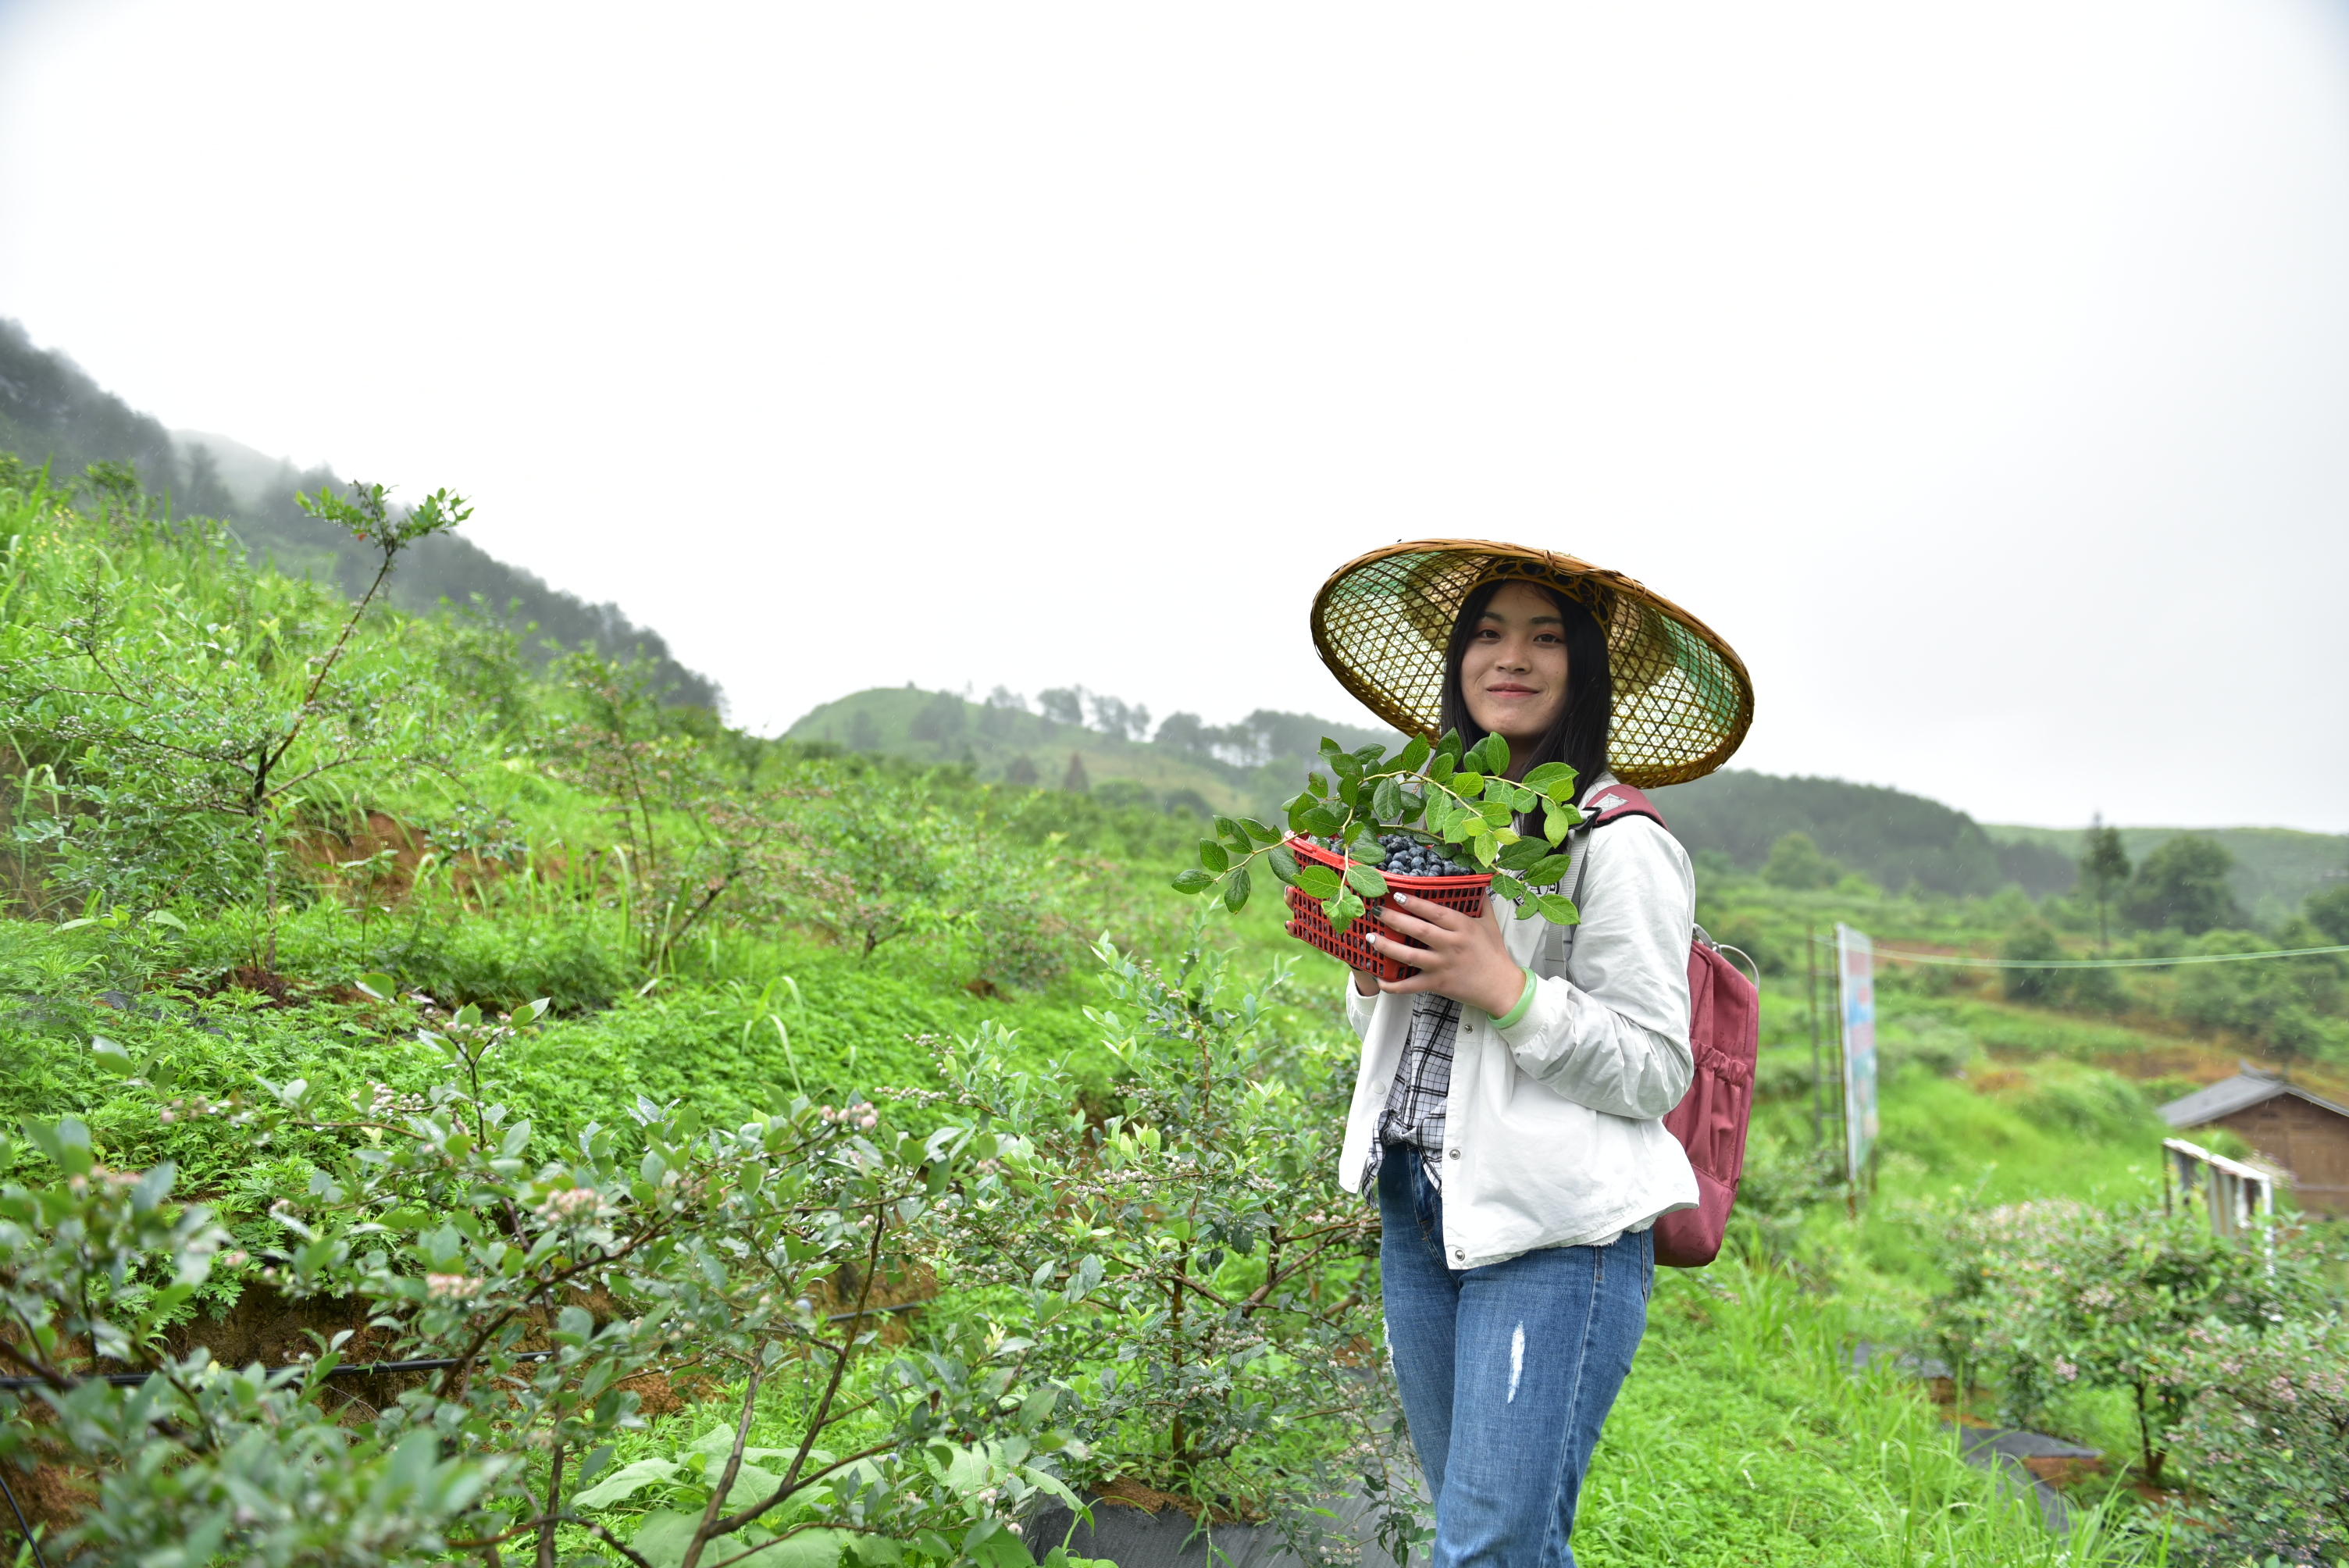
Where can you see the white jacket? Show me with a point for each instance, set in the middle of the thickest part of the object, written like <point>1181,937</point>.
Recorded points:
<point>1552,1136</point>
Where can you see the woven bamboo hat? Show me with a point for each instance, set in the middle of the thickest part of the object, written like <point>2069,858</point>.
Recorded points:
<point>1682,698</point>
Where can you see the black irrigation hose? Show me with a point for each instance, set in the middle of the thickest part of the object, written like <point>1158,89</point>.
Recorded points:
<point>23,1528</point>
<point>349,1369</point>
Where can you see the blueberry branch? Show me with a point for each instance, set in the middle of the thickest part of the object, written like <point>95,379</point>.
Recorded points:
<point>1428,805</point>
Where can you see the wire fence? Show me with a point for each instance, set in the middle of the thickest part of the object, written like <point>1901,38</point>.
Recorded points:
<point>1962,962</point>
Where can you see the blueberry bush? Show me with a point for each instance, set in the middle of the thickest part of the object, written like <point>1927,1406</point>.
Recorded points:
<point>511,1308</point>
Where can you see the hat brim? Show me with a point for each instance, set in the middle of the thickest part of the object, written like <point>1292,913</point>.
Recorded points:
<point>1382,623</point>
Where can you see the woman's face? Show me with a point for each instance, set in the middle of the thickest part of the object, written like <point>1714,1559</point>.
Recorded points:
<point>1513,674</point>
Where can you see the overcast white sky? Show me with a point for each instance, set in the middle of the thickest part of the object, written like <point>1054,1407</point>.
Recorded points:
<point>1981,371</point>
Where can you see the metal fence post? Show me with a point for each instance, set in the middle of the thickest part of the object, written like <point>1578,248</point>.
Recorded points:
<point>1818,1085</point>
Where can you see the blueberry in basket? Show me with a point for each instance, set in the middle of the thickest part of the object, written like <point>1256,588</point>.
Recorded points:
<point>1409,857</point>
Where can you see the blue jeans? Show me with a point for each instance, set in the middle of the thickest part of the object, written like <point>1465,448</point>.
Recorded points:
<point>1508,1373</point>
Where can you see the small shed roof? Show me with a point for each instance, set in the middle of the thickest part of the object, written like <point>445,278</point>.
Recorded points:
<point>2240,1092</point>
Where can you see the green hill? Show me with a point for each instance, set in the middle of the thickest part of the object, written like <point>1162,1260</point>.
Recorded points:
<point>1892,836</point>
<point>763,963</point>
<point>2275,868</point>
<point>1250,766</point>
<point>1895,839</point>
<point>52,413</point>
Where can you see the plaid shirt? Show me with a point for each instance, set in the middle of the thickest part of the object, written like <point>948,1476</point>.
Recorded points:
<point>1413,1117</point>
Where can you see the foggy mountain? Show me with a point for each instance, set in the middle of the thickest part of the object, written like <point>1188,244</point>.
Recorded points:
<point>52,412</point>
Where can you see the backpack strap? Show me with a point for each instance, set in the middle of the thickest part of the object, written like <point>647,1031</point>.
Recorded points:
<point>1616,802</point>
<point>1612,804</point>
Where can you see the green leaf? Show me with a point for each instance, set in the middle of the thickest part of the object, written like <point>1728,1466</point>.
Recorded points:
<point>112,1057</point>
<point>1235,889</point>
<point>66,1141</point>
<point>1347,765</point>
<point>1548,868</point>
<point>1467,783</point>
<point>1457,830</point>
<point>1548,774</point>
<point>1316,785</point>
<point>1558,908</point>
<point>1496,813</point>
<point>1366,881</point>
<point>1318,881</point>
<point>165,917</point>
<point>1415,754</point>
<point>1257,832</point>
<point>1226,829</point>
<point>1324,820</point>
<point>1556,822</point>
<point>1192,880</point>
<point>1364,846</point>
<point>1298,806</point>
<point>1496,747</point>
<point>625,1482</point>
<point>1440,771</point>
<point>1343,910</point>
<point>380,985</point>
<point>1283,862</point>
<point>1523,798</point>
<point>1214,856</point>
<point>1522,853</point>
<point>1386,800</point>
<point>1509,887</point>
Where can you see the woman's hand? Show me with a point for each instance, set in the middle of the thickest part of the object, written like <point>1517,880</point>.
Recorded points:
<point>1463,956</point>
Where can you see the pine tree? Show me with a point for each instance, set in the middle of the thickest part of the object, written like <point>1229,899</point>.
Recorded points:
<point>2104,867</point>
<point>1077,783</point>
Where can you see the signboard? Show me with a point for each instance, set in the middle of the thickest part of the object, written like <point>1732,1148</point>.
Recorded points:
<point>1856,989</point>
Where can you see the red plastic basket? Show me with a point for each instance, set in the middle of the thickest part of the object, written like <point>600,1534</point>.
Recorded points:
<point>1308,924</point>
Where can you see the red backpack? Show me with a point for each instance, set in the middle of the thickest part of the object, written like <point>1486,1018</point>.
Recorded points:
<point>1726,1035</point>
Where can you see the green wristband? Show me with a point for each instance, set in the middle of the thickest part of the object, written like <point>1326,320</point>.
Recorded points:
<point>1515,1016</point>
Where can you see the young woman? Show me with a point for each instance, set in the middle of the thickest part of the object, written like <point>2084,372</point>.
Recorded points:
<point>1504,1115</point>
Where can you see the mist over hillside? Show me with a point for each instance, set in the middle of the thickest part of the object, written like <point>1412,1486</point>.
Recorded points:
<point>2274,868</point>
<point>52,412</point>
<point>1072,738</point>
<point>1889,836</point>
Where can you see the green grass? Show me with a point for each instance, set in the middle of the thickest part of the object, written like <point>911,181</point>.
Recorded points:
<point>1743,1438</point>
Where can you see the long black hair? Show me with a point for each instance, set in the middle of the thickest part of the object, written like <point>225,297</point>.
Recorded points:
<point>1577,737</point>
